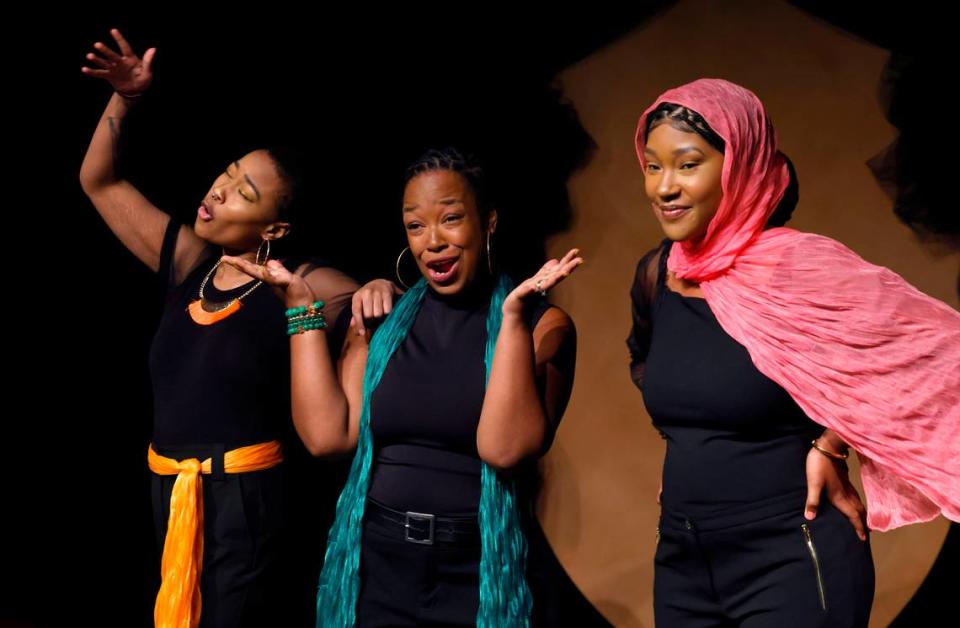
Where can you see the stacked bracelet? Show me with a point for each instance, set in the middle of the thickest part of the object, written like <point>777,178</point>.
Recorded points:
<point>305,318</point>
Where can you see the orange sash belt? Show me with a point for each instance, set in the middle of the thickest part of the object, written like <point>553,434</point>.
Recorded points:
<point>178,602</point>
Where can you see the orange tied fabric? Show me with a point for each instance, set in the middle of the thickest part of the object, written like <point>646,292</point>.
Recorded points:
<point>178,602</point>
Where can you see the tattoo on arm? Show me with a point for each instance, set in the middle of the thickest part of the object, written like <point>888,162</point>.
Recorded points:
<point>115,139</point>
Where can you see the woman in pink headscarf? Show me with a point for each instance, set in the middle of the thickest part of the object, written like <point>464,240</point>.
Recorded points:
<point>763,354</point>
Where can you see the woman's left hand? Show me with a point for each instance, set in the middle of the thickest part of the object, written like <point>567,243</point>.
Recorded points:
<point>830,476</point>
<point>549,275</point>
<point>290,287</point>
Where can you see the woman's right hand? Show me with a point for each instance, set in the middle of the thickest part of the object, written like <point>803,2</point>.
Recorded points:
<point>128,74</point>
<point>372,302</point>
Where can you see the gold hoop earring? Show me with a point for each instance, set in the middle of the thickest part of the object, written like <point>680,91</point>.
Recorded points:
<point>266,258</point>
<point>399,278</point>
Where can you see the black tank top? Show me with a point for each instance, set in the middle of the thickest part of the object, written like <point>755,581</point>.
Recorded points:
<point>226,383</point>
<point>425,411</point>
<point>734,437</point>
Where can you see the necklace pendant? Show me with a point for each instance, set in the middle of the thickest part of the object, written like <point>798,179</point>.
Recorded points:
<point>203,317</point>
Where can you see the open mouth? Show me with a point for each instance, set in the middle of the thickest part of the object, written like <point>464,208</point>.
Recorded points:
<point>443,271</point>
<point>204,212</point>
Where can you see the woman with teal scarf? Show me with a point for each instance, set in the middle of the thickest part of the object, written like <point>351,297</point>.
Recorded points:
<point>462,384</point>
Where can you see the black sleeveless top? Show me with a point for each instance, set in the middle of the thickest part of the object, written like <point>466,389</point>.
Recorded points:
<point>734,437</point>
<point>425,412</point>
<point>226,383</point>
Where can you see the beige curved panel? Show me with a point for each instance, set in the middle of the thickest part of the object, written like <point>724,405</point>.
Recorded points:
<point>598,505</point>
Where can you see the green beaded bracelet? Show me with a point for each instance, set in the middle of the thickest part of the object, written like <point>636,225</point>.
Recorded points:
<point>302,323</point>
<point>316,305</point>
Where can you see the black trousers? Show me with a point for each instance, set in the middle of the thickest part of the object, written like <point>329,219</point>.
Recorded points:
<point>765,567</point>
<point>242,518</point>
<point>406,584</point>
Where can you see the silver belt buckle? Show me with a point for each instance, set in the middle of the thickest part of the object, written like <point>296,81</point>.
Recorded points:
<point>418,516</point>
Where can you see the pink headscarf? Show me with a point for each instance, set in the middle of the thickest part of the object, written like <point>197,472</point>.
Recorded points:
<point>860,350</point>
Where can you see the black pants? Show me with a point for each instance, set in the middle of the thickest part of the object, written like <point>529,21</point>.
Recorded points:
<point>768,567</point>
<point>406,584</point>
<point>242,517</point>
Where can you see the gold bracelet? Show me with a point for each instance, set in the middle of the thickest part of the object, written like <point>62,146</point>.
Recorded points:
<point>827,452</point>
